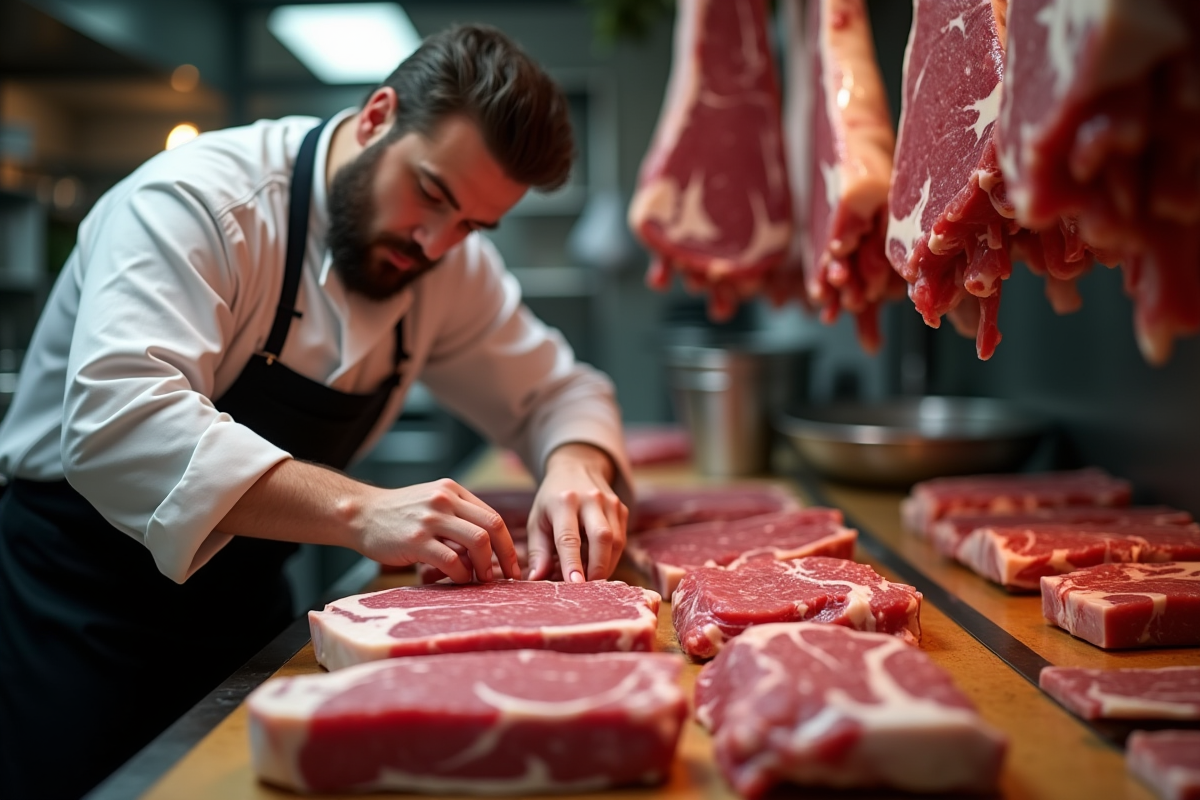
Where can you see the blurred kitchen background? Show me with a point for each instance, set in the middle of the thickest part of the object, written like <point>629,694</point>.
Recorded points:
<point>89,89</point>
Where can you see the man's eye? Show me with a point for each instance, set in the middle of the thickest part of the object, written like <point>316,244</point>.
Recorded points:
<point>425,194</point>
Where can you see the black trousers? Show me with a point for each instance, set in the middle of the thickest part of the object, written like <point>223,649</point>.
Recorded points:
<point>100,652</point>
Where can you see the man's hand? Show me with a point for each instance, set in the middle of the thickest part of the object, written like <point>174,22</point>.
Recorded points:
<point>576,506</point>
<point>441,524</point>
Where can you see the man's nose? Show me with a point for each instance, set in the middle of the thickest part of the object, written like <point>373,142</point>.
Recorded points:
<point>436,237</point>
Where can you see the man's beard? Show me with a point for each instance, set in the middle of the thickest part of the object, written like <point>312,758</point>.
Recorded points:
<point>351,209</point>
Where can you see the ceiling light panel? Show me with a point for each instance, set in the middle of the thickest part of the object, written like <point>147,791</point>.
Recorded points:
<point>346,42</point>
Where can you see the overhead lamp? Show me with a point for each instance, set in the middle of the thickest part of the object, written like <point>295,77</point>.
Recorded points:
<point>346,42</point>
<point>182,133</point>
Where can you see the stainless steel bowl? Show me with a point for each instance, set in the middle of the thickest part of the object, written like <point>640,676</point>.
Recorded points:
<point>901,441</point>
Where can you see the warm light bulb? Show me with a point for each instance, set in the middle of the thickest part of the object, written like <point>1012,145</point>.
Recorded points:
<point>182,133</point>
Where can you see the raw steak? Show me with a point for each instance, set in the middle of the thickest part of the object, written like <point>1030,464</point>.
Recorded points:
<point>1118,606</point>
<point>666,555</point>
<point>1165,693</point>
<point>657,444</point>
<point>712,200</point>
<point>839,138</point>
<point>951,230</point>
<point>517,722</point>
<point>1098,123</point>
<point>663,507</point>
<point>932,500</point>
<point>824,705</point>
<point>588,617</point>
<point>947,534</point>
<point>714,604</point>
<point>1018,557</point>
<point>1168,761</point>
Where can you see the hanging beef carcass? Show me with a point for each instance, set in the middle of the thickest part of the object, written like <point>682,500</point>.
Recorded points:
<point>951,232</point>
<point>713,201</point>
<point>1098,121</point>
<point>839,138</point>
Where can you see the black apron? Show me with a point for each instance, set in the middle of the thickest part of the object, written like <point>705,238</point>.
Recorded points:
<point>99,651</point>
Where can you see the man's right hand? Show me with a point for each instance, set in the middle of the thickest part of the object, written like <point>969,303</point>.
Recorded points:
<point>440,524</point>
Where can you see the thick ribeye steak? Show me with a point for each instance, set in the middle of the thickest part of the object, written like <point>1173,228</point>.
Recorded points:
<point>947,534</point>
<point>824,705</point>
<point>518,722</point>
<point>931,500</point>
<point>588,617</point>
<point>665,555</point>
<point>1018,557</point>
<point>1118,606</point>
<point>1163,693</point>
<point>1168,761</point>
<point>665,507</point>
<point>711,605</point>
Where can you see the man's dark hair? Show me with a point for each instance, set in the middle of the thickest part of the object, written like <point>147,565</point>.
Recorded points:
<point>479,72</point>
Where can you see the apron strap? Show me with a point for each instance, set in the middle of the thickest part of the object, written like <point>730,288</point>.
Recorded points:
<point>298,211</point>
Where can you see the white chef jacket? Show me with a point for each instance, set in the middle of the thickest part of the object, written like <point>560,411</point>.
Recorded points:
<point>173,286</point>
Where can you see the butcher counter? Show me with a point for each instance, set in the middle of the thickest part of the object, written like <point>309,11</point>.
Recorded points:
<point>993,644</point>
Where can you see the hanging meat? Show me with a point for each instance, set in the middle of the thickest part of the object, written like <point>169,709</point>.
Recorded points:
<point>713,202</point>
<point>951,232</point>
<point>839,138</point>
<point>1098,122</point>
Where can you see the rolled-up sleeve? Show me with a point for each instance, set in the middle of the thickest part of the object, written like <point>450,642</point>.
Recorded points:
<point>141,439</point>
<point>513,378</point>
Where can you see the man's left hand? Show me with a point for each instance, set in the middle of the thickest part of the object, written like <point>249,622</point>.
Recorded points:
<point>576,505</point>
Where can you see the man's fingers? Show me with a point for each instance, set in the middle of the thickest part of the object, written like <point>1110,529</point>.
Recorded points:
<point>541,548</point>
<point>479,513</point>
<point>453,565</point>
<point>598,526</point>
<point>567,540</point>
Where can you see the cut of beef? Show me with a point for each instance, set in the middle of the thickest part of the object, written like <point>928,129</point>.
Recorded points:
<point>665,507</point>
<point>519,722</point>
<point>824,705</point>
<point>1168,761</point>
<point>1018,557</point>
<point>504,615</point>
<point>1098,123</point>
<point>713,604</point>
<point>839,136</point>
<point>1118,606</point>
<point>666,555</point>
<point>1164,693</point>
<point>657,444</point>
<point>948,534</point>
<point>932,500</point>
<point>951,228</point>
<point>712,200</point>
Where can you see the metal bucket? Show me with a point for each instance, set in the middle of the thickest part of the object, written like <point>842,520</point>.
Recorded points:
<point>727,394</point>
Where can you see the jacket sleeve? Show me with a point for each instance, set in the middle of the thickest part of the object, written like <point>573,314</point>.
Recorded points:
<point>141,440</point>
<point>513,378</point>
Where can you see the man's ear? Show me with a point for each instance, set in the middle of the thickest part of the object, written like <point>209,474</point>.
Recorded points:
<point>376,116</point>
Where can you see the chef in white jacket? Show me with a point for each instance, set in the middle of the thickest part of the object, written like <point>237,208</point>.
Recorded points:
<point>241,318</point>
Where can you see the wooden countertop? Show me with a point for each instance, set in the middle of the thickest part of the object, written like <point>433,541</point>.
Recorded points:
<point>1052,755</point>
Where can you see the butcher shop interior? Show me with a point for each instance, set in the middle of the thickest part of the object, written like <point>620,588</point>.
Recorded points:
<point>809,391</point>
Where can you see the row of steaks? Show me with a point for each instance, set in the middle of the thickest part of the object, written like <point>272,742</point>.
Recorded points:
<point>521,687</point>
<point>1115,575</point>
<point>1052,132</point>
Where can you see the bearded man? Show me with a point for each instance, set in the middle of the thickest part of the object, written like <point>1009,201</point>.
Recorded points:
<point>242,317</point>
